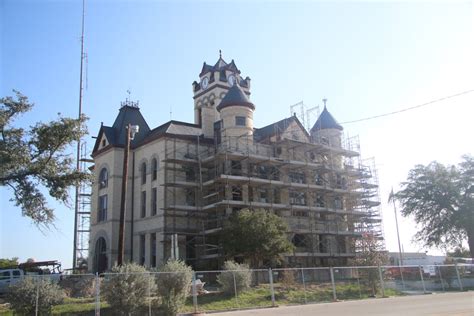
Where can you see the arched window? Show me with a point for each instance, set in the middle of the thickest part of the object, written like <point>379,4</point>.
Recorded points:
<point>143,173</point>
<point>103,178</point>
<point>154,168</point>
<point>100,255</point>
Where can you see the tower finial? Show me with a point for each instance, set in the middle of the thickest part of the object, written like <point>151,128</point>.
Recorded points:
<point>220,53</point>
<point>325,100</point>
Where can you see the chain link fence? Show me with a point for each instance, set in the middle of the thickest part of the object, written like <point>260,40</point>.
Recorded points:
<point>88,294</point>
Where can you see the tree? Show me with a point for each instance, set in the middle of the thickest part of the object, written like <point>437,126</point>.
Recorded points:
<point>36,159</point>
<point>256,235</point>
<point>370,253</point>
<point>459,252</point>
<point>441,199</point>
<point>6,263</point>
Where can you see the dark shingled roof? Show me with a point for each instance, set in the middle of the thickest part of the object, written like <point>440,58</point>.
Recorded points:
<point>277,127</point>
<point>116,134</point>
<point>235,96</point>
<point>326,121</point>
<point>219,65</point>
<point>129,115</point>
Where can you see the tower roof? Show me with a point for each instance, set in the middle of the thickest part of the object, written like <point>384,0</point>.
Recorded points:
<point>326,121</point>
<point>235,96</point>
<point>220,65</point>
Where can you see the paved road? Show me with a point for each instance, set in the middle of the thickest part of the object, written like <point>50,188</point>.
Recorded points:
<point>452,304</point>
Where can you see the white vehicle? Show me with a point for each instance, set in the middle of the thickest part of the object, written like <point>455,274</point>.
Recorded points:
<point>9,277</point>
<point>43,269</point>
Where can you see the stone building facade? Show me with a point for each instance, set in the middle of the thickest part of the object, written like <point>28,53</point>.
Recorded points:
<point>185,179</point>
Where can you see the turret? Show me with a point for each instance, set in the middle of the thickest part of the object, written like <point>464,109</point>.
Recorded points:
<point>326,130</point>
<point>236,112</point>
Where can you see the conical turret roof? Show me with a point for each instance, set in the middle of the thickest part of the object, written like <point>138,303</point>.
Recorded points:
<point>326,121</point>
<point>235,96</point>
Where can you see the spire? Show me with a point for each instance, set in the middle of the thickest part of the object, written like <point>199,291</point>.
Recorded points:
<point>220,53</point>
<point>326,120</point>
<point>235,96</point>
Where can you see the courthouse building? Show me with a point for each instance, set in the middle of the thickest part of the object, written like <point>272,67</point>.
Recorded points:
<point>184,179</point>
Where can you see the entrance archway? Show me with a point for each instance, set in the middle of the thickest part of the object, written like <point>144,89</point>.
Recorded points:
<point>100,257</point>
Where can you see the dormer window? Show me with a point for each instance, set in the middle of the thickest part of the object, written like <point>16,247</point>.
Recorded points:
<point>103,178</point>
<point>240,120</point>
<point>104,142</point>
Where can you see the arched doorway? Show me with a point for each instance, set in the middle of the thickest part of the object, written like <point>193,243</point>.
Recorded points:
<point>100,256</point>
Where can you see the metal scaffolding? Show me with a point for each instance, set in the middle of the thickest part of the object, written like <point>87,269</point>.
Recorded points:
<point>324,192</point>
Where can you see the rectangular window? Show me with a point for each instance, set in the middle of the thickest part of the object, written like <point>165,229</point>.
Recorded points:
<point>190,197</point>
<point>153,250</point>
<point>235,168</point>
<point>263,195</point>
<point>240,120</point>
<point>102,214</point>
<point>142,249</point>
<point>297,177</point>
<point>143,204</point>
<point>297,198</point>
<point>338,205</point>
<point>319,201</point>
<point>154,201</point>
<point>276,196</point>
<point>237,193</point>
<point>5,275</point>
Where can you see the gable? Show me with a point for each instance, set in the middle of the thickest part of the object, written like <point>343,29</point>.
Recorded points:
<point>295,131</point>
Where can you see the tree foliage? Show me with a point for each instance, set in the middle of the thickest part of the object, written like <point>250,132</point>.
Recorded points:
<point>6,263</point>
<point>24,295</point>
<point>36,158</point>
<point>173,285</point>
<point>441,199</point>
<point>236,277</point>
<point>256,235</point>
<point>127,287</point>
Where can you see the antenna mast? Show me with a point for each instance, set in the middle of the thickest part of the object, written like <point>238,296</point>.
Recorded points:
<point>78,151</point>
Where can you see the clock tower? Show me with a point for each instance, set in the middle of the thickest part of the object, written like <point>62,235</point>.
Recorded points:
<point>214,83</point>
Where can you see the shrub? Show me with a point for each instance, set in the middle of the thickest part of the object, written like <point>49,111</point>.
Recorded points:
<point>241,273</point>
<point>78,286</point>
<point>22,296</point>
<point>174,285</point>
<point>127,287</point>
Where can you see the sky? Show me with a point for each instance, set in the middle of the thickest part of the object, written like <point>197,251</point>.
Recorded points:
<point>366,58</point>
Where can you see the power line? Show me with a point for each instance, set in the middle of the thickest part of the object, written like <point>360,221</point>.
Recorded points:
<point>410,108</point>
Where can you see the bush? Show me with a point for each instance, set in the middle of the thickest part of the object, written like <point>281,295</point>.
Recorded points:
<point>243,277</point>
<point>22,296</point>
<point>78,286</point>
<point>127,287</point>
<point>174,285</point>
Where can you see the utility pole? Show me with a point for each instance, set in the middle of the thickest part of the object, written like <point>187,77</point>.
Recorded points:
<point>131,131</point>
<point>121,241</point>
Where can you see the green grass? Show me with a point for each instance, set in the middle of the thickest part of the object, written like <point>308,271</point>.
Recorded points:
<point>259,296</point>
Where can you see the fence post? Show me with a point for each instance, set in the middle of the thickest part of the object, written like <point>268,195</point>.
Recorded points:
<point>459,277</point>
<point>97,294</point>
<point>235,289</point>
<point>270,278</point>
<point>381,281</point>
<point>149,294</point>
<point>195,299</point>
<point>304,285</point>
<point>441,278</point>
<point>422,279</point>
<point>37,297</point>
<point>334,296</point>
